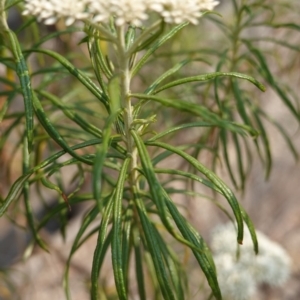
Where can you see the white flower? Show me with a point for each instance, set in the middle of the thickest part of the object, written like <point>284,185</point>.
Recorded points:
<point>99,10</point>
<point>124,11</point>
<point>71,10</point>
<point>179,11</point>
<point>49,11</point>
<point>207,4</point>
<point>273,263</point>
<point>42,9</point>
<point>238,278</point>
<point>234,282</point>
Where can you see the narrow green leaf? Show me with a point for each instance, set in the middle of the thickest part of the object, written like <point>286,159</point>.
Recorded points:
<point>85,125</point>
<point>293,26</point>
<point>57,155</point>
<point>84,225</point>
<point>165,75</point>
<point>62,206</point>
<point>240,103</point>
<point>50,185</point>
<point>223,136</point>
<point>156,45</point>
<point>180,127</point>
<point>175,270</point>
<point>283,43</point>
<point>4,108</point>
<point>54,35</point>
<point>85,80</point>
<point>161,273</point>
<point>156,290</point>
<point>25,24</point>
<point>10,3</point>
<point>153,36</point>
<point>116,246</point>
<point>22,72</point>
<point>160,157</point>
<point>282,131</point>
<point>208,77</point>
<point>98,61</point>
<point>228,194</point>
<point>266,143</point>
<point>127,240</point>
<point>156,189</point>
<point>198,110</point>
<point>139,265</point>
<point>203,256</point>
<point>114,94</point>
<point>26,195</point>
<point>52,131</point>
<point>197,146</point>
<point>99,160</point>
<point>14,192</point>
<point>16,188</point>
<point>100,248</point>
<point>73,161</point>
<point>170,191</point>
<point>223,27</point>
<point>251,228</point>
<point>239,161</point>
<point>130,36</point>
<point>222,60</point>
<point>190,176</point>
<point>267,74</point>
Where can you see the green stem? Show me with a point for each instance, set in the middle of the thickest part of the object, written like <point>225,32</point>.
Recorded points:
<point>125,79</point>
<point>236,36</point>
<point>3,22</point>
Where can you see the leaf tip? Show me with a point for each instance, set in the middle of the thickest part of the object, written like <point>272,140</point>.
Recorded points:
<point>262,88</point>
<point>65,197</point>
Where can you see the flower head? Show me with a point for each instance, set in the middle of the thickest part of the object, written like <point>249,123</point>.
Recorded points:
<point>123,11</point>
<point>49,11</point>
<point>235,283</point>
<point>178,11</point>
<point>207,4</point>
<point>238,278</point>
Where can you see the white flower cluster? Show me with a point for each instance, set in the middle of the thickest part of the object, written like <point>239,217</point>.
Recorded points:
<point>124,11</point>
<point>239,278</point>
<point>49,11</point>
